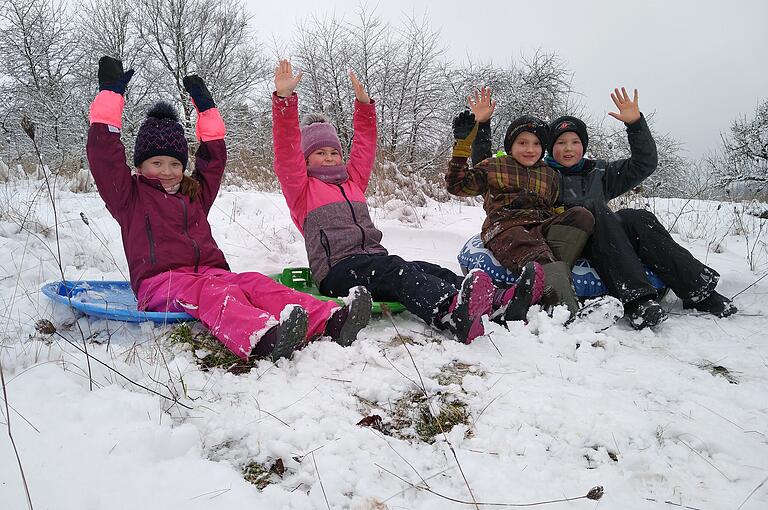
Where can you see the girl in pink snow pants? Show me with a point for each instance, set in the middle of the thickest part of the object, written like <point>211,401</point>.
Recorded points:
<point>174,262</point>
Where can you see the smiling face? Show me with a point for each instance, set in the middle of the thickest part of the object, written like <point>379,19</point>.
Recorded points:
<point>526,149</point>
<point>568,149</point>
<point>324,156</point>
<point>167,169</point>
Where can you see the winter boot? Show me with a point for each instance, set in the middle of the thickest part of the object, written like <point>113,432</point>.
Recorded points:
<point>559,288</point>
<point>716,304</point>
<point>512,304</point>
<point>464,317</point>
<point>566,242</point>
<point>600,313</point>
<point>280,341</point>
<point>707,281</point>
<point>645,313</point>
<point>345,322</point>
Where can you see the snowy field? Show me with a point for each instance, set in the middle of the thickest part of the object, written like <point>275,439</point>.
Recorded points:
<point>671,418</point>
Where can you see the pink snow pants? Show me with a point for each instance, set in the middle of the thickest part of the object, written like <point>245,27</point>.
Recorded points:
<point>238,308</point>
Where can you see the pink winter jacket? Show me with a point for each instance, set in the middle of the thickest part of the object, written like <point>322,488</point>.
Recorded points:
<point>160,231</point>
<point>333,218</point>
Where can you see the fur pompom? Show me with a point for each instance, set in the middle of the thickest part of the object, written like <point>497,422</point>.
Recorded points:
<point>314,118</point>
<point>163,110</point>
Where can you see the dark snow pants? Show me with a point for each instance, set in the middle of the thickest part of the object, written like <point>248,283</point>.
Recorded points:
<point>516,246</point>
<point>421,287</point>
<point>623,241</point>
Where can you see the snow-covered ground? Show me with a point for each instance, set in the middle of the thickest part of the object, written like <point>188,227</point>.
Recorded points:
<point>675,417</point>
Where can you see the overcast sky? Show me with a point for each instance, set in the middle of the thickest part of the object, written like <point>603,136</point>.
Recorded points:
<point>697,64</point>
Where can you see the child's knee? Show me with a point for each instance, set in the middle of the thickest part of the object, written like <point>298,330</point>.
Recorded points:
<point>581,218</point>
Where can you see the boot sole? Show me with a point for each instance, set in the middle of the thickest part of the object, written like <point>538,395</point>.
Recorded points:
<point>290,333</point>
<point>517,308</point>
<point>359,316</point>
<point>467,316</point>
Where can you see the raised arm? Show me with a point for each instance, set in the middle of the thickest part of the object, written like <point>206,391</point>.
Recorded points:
<point>461,180</point>
<point>211,156</point>
<point>624,174</point>
<point>105,150</point>
<point>362,156</point>
<point>290,166</point>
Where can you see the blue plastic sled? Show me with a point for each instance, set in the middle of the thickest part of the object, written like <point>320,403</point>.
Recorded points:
<point>113,300</point>
<point>586,281</point>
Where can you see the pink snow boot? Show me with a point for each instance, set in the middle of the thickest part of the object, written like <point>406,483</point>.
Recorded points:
<point>464,317</point>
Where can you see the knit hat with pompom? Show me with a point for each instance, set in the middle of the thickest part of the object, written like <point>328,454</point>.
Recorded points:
<point>317,132</point>
<point>161,134</point>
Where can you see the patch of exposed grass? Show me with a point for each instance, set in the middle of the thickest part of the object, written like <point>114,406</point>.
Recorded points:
<point>718,370</point>
<point>413,418</point>
<point>206,348</point>
<point>454,372</point>
<point>260,475</point>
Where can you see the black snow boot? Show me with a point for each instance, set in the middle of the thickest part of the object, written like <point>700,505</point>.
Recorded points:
<point>645,313</point>
<point>558,288</point>
<point>281,340</point>
<point>347,321</point>
<point>716,304</point>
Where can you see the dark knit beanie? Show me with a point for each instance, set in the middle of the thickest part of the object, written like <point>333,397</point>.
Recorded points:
<point>161,135</point>
<point>563,125</point>
<point>530,124</point>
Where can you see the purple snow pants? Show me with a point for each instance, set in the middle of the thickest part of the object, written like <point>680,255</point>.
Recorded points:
<point>238,308</point>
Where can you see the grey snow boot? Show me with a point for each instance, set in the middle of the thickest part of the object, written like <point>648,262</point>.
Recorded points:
<point>558,288</point>
<point>281,340</point>
<point>347,321</point>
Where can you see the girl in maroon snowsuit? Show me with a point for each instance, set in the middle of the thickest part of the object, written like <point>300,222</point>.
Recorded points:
<point>174,262</point>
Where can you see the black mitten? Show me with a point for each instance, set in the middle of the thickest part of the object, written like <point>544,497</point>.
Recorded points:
<point>201,96</point>
<point>464,131</point>
<point>111,75</point>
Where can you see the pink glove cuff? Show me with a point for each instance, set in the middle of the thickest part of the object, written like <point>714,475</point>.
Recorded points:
<point>210,125</point>
<point>107,108</point>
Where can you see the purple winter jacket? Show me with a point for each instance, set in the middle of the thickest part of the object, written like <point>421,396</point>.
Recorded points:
<point>160,232</point>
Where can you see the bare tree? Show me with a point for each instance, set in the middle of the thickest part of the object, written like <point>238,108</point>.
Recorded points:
<point>211,38</point>
<point>39,55</point>
<point>745,150</point>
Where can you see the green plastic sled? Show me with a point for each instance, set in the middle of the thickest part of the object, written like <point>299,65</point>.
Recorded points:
<point>300,278</point>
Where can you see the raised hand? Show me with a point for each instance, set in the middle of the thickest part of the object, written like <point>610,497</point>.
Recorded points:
<point>285,80</point>
<point>481,104</point>
<point>463,125</point>
<point>360,93</point>
<point>629,111</point>
<point>111,75</point>
<point>201,96</point>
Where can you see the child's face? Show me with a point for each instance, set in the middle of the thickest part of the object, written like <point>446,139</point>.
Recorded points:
<point>167,169</point>
<point>568,149</point>
<point>526,149</point>
<point>324,156</point>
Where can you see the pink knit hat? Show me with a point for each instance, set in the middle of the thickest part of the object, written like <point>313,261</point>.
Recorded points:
<point>318,132</point>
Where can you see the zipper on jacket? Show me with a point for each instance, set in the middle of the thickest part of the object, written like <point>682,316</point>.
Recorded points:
<point>150,238</point>
<point>354,218</point>
<point>186,233</point>
<point>326,246</point>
